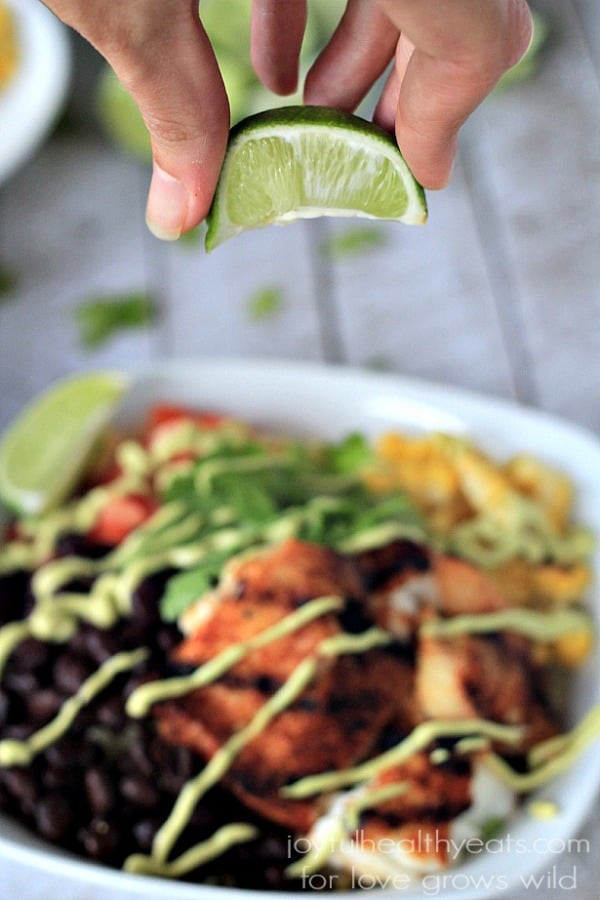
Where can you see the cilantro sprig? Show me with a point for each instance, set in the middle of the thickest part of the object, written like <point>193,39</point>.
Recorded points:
<point>252,493</point>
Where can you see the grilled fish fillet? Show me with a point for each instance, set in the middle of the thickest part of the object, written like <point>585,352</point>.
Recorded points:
<point>335,722</point>
<point>356,705</point>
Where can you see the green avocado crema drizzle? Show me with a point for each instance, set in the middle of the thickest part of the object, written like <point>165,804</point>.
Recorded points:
<point>222,760</point>
<point>140,700</point>
<point>21,753</point>
<point>551,757</point>
<point>421,736</point>
<point>539,625</point>
<point>225,837</point>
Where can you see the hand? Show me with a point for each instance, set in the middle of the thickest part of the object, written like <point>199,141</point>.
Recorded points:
<point>162,55</point>
<point>449,55</point>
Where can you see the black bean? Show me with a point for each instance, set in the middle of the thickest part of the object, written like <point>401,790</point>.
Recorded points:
<point>100,645</point>
<point>138,791</point>
<point>111,712</point>
<point>275,878</point>
<point>13,588</point>
<point>4,707</point>
<point>53,817</point>
<point>139,755</point>
<point>273,848</point>
<point>78,642</point>
<point>64,753</point>
<point>110,797</point>
<point>73,544</point>
<point>203,817</point>
<point>43,704</point>
<point>145,603</point>
<point>136,681</point>
<point>21,731</point>
<point>99,839</point>
<point>30,654</point>
<point>144,832</point>
<point>14,713</point>
<point>99,790</point>
<point>58,779</point>
<point>167,638</point>
<point>70,671</point>
<point>21,682</point>
<point>160,753</point>
<point>23,786</point>
<point>184,762</point>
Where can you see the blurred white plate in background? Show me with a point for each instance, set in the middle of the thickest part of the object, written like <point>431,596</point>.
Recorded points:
<point>31,101</point>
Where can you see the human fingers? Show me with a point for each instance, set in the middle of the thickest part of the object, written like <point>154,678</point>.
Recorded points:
<point>452,53</point>
<point>358,52</point>
<point>276,38</point>
<point>163,57</point>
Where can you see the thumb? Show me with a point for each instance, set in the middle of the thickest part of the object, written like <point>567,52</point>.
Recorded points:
<point>162,56</point>
<point>177,86</point>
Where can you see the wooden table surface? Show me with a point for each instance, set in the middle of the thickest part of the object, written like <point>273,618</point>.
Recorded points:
<point>500,292</point>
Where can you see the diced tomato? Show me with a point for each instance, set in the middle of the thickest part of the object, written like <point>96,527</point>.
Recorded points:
<point>120,516</point>
<point>163,413</point>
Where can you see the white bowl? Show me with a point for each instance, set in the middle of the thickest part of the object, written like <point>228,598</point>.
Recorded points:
<point>31,101</point>
<point>309,399</point>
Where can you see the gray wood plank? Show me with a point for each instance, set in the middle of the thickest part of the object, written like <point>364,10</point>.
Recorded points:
<point>210,297</point>
<point>71,227</point>
<point>422,304</point>
<point>589,14</point>
<point>536,150</point>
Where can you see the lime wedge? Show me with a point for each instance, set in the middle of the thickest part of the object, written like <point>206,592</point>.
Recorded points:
<point>307,161</point>
<point>46,449</point>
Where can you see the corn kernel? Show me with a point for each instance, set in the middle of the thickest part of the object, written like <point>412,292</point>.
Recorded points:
<point>573,649</point>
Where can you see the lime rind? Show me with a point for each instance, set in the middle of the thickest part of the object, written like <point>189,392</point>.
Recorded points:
<point>304,161</point>
<point>45,451</point>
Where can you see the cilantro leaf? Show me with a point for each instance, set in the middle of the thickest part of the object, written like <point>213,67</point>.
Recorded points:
<point>350,455</point>
<point>184,589</point>
<point>8,281</point>
<point>99,319</point>
<point>355,240</point>
<point>265,303</point>
<point>250,494</point>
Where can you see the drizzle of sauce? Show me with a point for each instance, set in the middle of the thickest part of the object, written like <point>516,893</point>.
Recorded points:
<point>551,757</point>
<point>142,699</point>
<point>222,760</point>
<point>225,837</point>
<point>21,753</point>
<point>536,624</point>
<point>422,735</point>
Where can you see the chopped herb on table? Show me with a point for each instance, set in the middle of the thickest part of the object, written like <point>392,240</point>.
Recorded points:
<point>99,319</point>
<point>356,240</point>
<point>8,282</point>
<point>265,303</point>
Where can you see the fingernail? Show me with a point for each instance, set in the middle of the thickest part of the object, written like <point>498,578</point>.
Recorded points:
<point>167,205</point>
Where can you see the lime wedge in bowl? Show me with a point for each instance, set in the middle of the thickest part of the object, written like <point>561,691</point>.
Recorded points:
<point>307,161</point>
<point>46,449</point>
